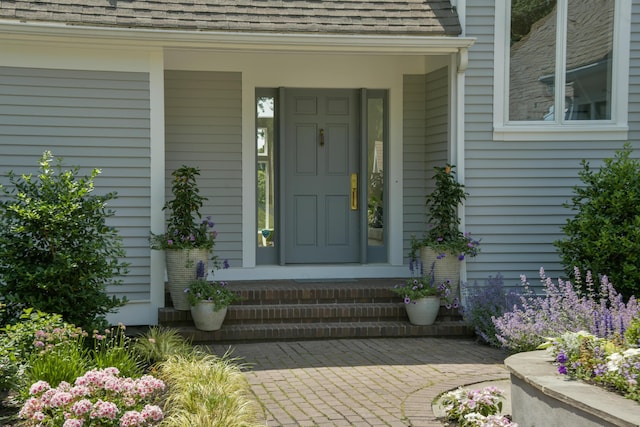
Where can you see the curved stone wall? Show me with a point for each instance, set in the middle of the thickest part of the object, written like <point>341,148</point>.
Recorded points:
<point>541,397</point>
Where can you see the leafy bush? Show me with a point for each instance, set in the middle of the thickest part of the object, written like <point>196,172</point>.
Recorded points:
<point>562,309</point>
<point>483,303</point>
<point>34,331</point>
<point>632,334</point>
<point>604,235</point>
<point>58,254</point>
<point>43,347</point>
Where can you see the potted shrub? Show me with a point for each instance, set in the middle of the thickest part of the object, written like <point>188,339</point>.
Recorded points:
<point>209,301</point>
<point>444,244</point>
<point>422,295</point>
<point>188,239</point>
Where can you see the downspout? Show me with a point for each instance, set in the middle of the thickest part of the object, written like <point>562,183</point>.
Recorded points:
<point>157,175</point>
<point>458,68</point>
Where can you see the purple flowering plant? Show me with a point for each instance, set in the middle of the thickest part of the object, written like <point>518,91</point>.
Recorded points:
<point>185,228</point>
<point>217,292</point>
<point>485,301</point>
<point>421,285</point>
<point>444,235</point>
<point>562,308</point>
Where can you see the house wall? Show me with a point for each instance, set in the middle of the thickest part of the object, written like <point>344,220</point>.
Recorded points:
<point>90,119</point>
<point>426,140</point>
<point>203,118</point>
<point>517,188</point>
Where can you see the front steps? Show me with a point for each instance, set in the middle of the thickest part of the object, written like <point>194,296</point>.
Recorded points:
<point>307,309</point>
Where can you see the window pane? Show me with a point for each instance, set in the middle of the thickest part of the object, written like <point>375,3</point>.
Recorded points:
<point>265,170</point>
<point>375,170</point>
<point>589,59</point>
<point>532,59</point>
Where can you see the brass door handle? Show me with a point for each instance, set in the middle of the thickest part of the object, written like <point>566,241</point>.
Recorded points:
<point>354,191</point>
<point>322,137</point>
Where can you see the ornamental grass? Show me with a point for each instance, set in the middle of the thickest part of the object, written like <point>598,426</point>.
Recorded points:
<point>207,390</point>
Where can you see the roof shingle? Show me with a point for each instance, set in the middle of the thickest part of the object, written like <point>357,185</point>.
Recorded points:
<point>384,17</point>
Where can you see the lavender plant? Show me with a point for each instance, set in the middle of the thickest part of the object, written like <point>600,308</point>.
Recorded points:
<point>564,308</point>
<point>483,303</point>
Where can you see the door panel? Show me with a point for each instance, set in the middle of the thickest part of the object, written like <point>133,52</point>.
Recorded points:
<point>321,146</point>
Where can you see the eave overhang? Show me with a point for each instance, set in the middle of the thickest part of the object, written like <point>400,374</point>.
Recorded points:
<point>233,41</point>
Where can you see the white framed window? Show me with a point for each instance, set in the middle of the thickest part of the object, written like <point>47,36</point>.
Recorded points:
<point>568,56</point>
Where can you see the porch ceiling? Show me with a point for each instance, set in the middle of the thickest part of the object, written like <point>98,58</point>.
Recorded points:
<point>356,17</point>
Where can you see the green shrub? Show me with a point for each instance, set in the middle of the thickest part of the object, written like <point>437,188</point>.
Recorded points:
<point>604,235</point>
<point>64,361</point>
<point>632,334</point>
<point>18,342</point>
<point>113,348</point>
<point>58,254</point>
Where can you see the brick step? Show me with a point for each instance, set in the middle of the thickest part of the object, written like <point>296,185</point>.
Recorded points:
<point>294,309</point>
<point>313,292</point>
<point>305,313</point>
<point>309,313</point>
<point>308,331</point>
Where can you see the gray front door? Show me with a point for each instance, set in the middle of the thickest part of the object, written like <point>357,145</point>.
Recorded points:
<point>321,146</point>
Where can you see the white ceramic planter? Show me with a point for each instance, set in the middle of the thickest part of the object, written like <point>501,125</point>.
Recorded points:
<point>445,268</point>
<point>182,266</point>
<point>424,311</point>
<point>205,318</point>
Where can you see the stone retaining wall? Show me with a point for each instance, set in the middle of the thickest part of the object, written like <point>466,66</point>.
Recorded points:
<point>541,397</point>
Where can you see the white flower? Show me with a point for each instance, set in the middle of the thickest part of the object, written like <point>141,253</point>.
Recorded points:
<point>614,362</point>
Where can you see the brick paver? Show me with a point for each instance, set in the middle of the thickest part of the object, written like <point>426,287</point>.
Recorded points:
<point>361,382</point>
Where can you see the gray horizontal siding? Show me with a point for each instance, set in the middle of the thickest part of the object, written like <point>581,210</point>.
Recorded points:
<point>426,134</point>
<point>414,148</point>
<point>516,189</point>
<point>203,117</point>
<point>91,119</point>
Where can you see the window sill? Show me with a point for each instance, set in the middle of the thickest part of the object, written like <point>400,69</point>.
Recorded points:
<point>577,132</point>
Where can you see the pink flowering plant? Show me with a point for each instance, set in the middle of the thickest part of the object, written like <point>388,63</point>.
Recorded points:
<point>421,285</point>
<point>101,397</point>
<point>476,408</point>
<point>185,229</point>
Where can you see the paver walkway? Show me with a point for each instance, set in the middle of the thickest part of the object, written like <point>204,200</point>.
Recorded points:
<point>362,382</point>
